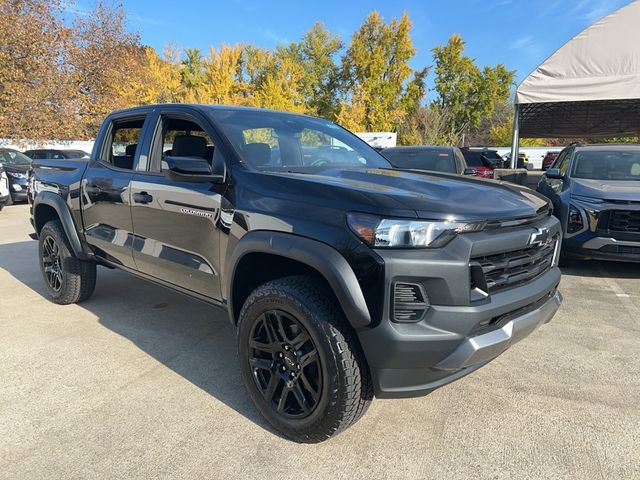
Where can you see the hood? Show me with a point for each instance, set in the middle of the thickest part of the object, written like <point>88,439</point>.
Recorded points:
<point>606,189</point>
<point>404,193</point>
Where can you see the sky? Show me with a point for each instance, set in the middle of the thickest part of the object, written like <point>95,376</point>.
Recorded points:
<point>519,33</point>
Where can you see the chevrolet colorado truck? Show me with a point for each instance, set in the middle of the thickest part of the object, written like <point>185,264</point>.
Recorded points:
<point>345,278</point>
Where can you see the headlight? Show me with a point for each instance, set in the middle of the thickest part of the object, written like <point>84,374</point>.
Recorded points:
<point>574,222</point>
<point>17,175</point>
<point>398,233</point>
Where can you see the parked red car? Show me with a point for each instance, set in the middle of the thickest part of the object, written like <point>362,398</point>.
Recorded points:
<point>480,161</point>
<point>548,160</point>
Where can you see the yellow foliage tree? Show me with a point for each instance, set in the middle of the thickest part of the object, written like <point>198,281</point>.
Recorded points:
<point>221,71</point>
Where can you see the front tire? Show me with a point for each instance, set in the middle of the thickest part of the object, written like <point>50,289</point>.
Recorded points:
<point>67,278</point>
<point>301,361</point>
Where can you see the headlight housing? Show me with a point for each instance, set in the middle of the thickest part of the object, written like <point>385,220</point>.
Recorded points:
<point>403,233</point>
<point>17,175</point>
<point>574,221</point>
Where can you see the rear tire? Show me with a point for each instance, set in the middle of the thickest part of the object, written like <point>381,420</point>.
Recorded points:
<point>67,278</point>
<point>294,341</point>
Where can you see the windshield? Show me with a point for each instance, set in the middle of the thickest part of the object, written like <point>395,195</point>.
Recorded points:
<point>607,165</point>
<point>75,154</point>
<point>269,140</point>
<point>476,159</point>
<point>439,160</point>
<point>11,157</point>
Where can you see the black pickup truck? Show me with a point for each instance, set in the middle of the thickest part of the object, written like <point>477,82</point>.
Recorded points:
<point>346,278</point>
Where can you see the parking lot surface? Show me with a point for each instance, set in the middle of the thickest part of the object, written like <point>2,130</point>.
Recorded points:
<point>142,382</point>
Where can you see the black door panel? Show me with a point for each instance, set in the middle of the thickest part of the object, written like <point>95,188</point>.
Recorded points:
<point>106,212</point>
<point>176,238</point>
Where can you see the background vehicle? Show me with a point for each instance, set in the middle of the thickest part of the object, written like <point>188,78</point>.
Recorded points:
<point>46,153</point>
<point>4,188</point>
<point>429,158</point>
<point>478,160</point>
<point>595,190</point>
<point>523,160</point>
<point>548,159</point>
<point>15,165</point>
<point>344,277</point>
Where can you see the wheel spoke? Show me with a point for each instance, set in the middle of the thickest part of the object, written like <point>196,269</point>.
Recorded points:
<point>283,399</point>
<point>271,387</point>
<point>305,381</point>
<point>261,363</point>
<point>308,358</point>
<point>264,347</point>
<point>300,340</point>
<point>283,335</point>
<point>299,396</point>
<point>269,331</point>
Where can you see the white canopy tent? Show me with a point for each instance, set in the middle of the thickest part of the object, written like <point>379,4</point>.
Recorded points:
<point>588,87</point>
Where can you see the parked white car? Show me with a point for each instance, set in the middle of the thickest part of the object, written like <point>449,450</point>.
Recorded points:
<point>4,187</point>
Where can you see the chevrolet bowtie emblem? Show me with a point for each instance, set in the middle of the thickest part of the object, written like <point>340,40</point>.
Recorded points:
<point>539,237</point>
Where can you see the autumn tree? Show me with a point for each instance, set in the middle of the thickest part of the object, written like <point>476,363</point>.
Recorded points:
<point>106,59</point>
<point>273,80</point>
<point>377,62</point>
<point>192,75</point>
<point>34,74</point>
<point>320,82</point>
<point>466,94</point>
<point>161,82</point>
<point>222,75</point>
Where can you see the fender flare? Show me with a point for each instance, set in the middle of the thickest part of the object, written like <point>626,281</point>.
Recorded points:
<point>317,255</point>
<point>64,214</point>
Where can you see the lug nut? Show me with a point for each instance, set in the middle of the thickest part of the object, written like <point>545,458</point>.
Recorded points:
<point>284,368</point>
<point>280,354</point>
<point>286,347</point>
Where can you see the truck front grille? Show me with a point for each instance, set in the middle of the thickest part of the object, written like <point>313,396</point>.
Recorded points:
<point>509,269</point>
<point>624,220</point>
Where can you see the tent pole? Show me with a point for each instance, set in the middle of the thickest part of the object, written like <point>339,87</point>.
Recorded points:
<point>515,142</point>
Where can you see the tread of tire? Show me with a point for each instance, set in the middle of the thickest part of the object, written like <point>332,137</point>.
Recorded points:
<point>81,275</point>
<point>321,300</point>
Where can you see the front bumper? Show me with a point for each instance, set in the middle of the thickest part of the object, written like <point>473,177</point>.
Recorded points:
<point>459,333</point>
<point>599,239</point>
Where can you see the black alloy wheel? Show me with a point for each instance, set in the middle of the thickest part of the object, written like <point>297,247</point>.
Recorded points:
<point>285,364</point>
<point>52,263</point>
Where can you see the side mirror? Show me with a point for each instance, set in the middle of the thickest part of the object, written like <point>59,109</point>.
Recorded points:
<point>189,169</point>
<point>470,171</point>
<point>554,173</point>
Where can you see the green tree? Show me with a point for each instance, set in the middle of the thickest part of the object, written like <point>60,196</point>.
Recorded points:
<point>320,81</point>
<point>192,74</point>
<point>377,63</point>
<point>467,94</point>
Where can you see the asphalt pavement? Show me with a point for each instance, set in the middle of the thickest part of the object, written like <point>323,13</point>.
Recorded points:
<point>142,382</point>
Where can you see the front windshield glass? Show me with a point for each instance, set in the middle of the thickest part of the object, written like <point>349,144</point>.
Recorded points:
<point>279,141</point>
<point>435,159</point>
<point>11,157</point>
<point>607,165</point>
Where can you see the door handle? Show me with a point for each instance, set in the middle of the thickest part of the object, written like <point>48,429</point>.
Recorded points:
<point>142,197</point>
<point>93,189</point>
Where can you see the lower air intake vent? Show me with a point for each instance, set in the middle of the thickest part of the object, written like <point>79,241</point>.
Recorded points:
<point>410,302</point>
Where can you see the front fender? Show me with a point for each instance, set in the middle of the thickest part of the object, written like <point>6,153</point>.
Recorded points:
<point>317,255</point>
<point>58,204</point>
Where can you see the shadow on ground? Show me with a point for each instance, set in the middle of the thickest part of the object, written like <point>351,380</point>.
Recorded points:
<point>598,268</point>
<point>193,339</point>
